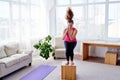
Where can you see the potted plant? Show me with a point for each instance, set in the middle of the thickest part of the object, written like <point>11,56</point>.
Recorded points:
<point>45,48</point>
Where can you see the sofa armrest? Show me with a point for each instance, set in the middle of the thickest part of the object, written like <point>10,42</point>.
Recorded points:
<point>2,68</point>
<point>28,52</point>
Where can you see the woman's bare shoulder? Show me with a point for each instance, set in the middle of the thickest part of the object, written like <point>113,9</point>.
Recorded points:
<point>74,28</point>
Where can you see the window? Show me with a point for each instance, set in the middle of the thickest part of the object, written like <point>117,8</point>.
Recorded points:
<point>79,20</point>
<point>15,0</point>
<point>62,2</point>
<point>78,1</point>
<point>15,22</point>
<point>114,0</point>
<point>35,2</point>
<point>20,19</point>
<point>35,21</point>
<point>4,19</point>
<point>94,19</point>
<point>61,23</point>
<point>24,1</point>
<point>95,1</point>
<point>114,20</point>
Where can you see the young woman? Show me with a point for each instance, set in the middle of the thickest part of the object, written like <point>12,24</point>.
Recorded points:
<point>69,37</point>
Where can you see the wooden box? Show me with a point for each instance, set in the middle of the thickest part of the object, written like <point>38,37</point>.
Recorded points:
<point>68,72</point>
<point>111,58</point>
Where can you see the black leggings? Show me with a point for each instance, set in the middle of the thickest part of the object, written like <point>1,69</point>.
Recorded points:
<point>70,49</point>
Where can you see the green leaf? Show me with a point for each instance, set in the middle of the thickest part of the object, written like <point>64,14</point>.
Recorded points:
<point>48,38</point>
<point>41,54</point>
<point>47,55</point>
<point>36,46</point>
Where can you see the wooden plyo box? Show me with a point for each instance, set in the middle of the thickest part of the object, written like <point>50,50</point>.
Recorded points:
<point>111,58</point>
<point>68,72</point>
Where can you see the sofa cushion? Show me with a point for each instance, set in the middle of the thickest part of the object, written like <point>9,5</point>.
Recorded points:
<point>9,61</point>
<point>2,52</point>
<point>59,43</point>
<point>21,57</point>
<point>11,49</point>
<point>60,53</point>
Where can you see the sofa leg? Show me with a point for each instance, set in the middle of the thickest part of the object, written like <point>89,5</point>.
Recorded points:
<point>30,64</point>
<point>54,57</point>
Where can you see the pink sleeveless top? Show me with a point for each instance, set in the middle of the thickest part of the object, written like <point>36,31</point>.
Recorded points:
<point>67,39</point>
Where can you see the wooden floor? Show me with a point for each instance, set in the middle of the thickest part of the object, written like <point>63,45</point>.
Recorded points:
<point>93,59</point>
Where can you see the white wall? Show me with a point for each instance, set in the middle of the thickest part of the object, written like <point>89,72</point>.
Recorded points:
<point>100,51</point>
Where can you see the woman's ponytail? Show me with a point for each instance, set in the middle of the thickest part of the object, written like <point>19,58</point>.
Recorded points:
<point>69,15</point>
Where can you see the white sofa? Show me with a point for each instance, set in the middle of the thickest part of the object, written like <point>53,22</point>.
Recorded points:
<point>59,48</point>
<point>12,58</point>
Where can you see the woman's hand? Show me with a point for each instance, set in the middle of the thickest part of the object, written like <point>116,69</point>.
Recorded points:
<point>72,33</point>
<point>64,33</point>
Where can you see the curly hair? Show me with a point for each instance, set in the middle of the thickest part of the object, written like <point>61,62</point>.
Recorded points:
<point>69,14</point>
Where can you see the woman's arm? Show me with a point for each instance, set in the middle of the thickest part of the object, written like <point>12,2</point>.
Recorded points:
<point>64,33</point>
<point>73,35</point>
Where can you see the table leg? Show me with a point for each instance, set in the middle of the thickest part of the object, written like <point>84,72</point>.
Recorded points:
<point>85,51</point>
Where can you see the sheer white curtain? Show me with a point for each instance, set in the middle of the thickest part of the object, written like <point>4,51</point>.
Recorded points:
<point>26,22</point>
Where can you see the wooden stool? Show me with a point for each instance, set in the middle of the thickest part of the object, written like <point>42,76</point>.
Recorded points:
<point>68,72</point>
<point>111,58</point>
